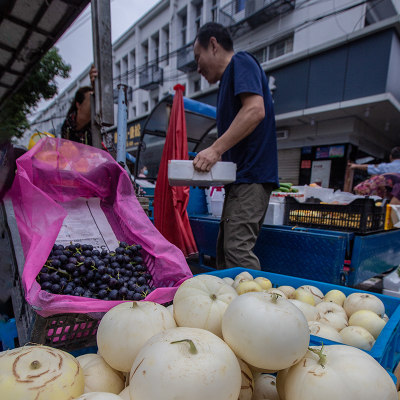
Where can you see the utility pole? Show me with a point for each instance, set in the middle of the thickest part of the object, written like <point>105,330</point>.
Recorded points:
<point>102,106</point>
<point>122,126</point>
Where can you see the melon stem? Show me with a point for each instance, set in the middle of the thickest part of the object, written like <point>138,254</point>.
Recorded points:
<point>192,347</point>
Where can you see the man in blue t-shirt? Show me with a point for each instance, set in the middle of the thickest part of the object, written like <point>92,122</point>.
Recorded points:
<point>246,136</point>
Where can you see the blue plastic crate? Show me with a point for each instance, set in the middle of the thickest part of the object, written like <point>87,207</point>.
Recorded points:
<point>8,335</point>
<point>386,349</point>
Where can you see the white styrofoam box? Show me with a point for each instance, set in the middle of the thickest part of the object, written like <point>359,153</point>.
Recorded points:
<point>324,194</point>
<point>215,195</point>
<point>391,281</point>
<point>393,293</point>
<point>275,214</point>
<point>182,173</point>
<point>216,207</point>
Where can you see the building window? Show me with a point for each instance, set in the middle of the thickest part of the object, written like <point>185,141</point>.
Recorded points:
<point>240,4</point>
<point>125,70</point>
<point>133,67</point>
<point>198,12</point>
<point>166,40</point>
<point>274,50</point>
<point>133,111</point>
<point>155,100</point>
<point>145,106</point>
<point>183,18</point>
<point>280,48</point>
<point>196,86</point>
<point>214,11</point>
<point>261,54</point>
<point>145,52</point>
<point>156,47</point>
<point>118,71</point>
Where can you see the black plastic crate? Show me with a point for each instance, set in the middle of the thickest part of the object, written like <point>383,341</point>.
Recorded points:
<point>360,216</point>
<point>64,331</point>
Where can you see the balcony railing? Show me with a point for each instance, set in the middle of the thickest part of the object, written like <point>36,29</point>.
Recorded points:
<point>185,61</point>
<point>151,77</point>
<point>253,14</point>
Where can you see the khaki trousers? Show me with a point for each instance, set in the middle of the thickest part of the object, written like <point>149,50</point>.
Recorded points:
<point>244,210</point>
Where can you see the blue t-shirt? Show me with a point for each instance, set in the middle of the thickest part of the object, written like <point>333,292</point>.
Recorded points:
<point>256,155</point>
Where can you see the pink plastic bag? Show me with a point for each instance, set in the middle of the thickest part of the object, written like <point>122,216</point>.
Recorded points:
<point>58,170</point>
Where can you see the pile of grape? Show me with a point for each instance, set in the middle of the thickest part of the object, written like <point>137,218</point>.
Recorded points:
<point>80,270</point>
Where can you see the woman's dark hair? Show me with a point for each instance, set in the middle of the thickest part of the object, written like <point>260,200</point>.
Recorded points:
<point>395,153</point>
<point>79,97</point>
<point>212,29</point>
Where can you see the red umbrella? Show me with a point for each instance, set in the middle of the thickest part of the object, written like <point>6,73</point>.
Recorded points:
<point>170,202</point>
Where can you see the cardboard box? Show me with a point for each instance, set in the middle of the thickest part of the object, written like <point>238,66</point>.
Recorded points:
<point>182,173</point>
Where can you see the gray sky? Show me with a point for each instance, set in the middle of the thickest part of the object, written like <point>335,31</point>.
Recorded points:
<point>75,45</point>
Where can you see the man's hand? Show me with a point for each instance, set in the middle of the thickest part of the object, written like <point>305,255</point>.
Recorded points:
<point>363,167</point>
<point>206,159</point>
<point>93,75</point>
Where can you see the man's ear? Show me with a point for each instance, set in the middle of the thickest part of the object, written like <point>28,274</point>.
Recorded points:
<point>214,44</point>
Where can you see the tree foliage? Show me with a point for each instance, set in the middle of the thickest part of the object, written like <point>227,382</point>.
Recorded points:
<point>40,84</point>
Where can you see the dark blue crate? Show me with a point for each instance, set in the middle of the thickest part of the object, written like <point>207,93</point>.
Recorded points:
<point>8,335</point>
<point>386,349</point>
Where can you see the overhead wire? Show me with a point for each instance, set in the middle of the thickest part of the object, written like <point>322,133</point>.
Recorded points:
<point>174,75</point>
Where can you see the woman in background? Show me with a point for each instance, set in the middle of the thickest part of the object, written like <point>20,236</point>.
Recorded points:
<point>77,124</point>
<point>386,186</point>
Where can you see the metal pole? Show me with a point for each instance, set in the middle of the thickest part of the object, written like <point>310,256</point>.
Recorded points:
<point>102,53</point>
<point>122,123</point>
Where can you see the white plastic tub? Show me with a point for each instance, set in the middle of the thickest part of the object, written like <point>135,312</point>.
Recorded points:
<point>182,173</point>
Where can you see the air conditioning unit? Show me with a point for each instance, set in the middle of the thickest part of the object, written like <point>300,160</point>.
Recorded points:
<point>282,134</point>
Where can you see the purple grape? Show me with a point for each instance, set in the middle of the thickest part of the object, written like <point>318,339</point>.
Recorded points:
<point>119,250</point>
<point>101,294</point>
<point>68,290</point>
<point>46,285</point>
<point>56,288</point>
<point>141,280</point>
<point>130,295</point>
<point>112,283</point>
<point>82,270</point>
<point>137,296</point>
<point>101,269</point>
<point>54,277</point>
<point>63,259</point>
<point>70,267</point>
<point>90,275</point>
<point>44,277</point>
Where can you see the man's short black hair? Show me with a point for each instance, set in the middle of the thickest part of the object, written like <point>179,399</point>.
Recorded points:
<point>395,153</point>
<point>213,29</point>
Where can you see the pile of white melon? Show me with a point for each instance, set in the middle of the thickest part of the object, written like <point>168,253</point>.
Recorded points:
<point>211,344</point>
<point>356,320</point>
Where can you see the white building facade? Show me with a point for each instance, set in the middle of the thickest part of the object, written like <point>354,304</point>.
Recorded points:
<point>333,68</point>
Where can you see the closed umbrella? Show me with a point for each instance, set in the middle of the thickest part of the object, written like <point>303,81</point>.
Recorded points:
<point>170,202</point>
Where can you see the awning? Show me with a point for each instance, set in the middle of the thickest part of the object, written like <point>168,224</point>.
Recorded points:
<point>28,29</point>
